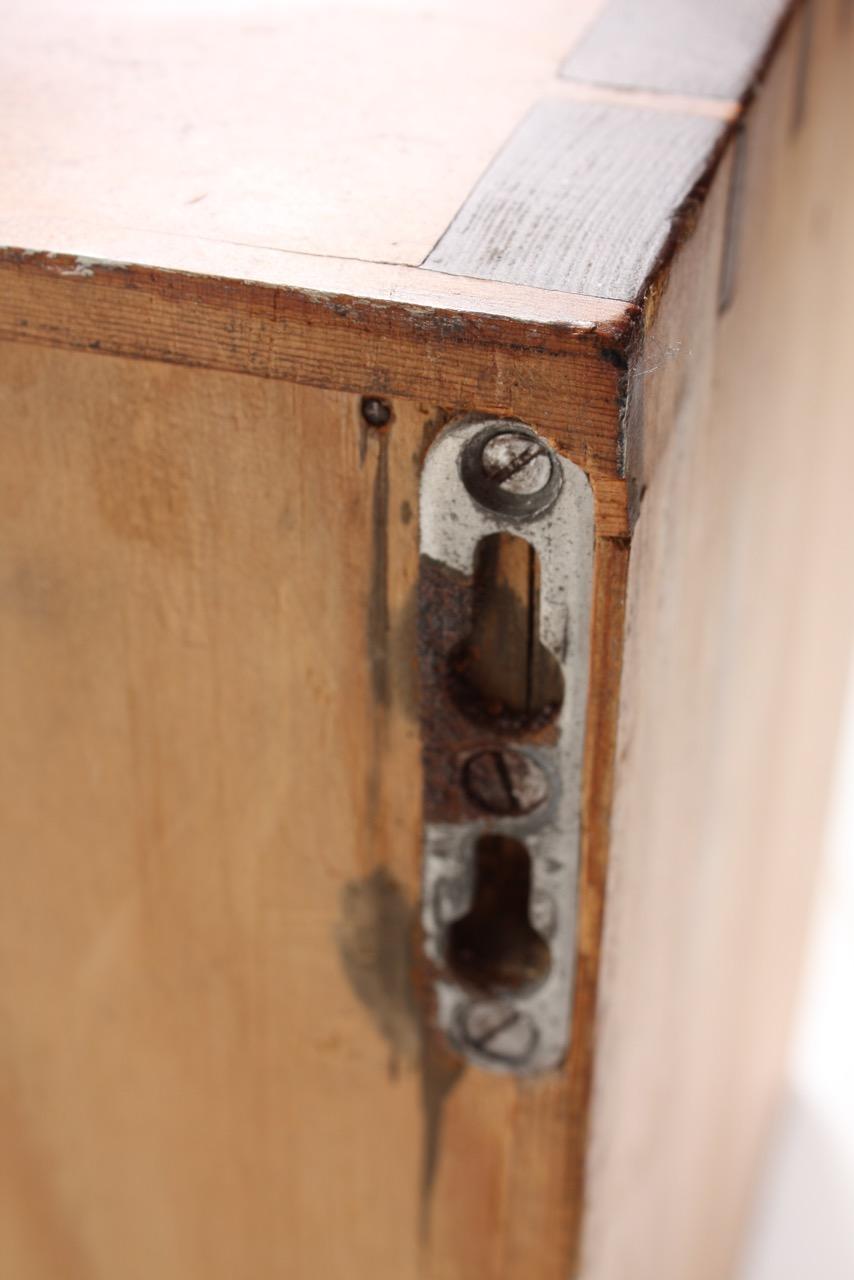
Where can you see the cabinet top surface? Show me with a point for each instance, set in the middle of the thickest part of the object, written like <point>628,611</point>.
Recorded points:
<point>279,142</point>
<point>342,129</point>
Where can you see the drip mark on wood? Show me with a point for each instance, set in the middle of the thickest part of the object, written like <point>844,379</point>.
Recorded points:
<point>378,608</point>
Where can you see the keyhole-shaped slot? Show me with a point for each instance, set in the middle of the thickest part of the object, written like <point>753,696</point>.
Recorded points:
<point>494,947</point>
<point>503,674</point>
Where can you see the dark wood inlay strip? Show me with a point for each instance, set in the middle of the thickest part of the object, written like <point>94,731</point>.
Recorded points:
<point>677,46</point>
<point>581,199</point>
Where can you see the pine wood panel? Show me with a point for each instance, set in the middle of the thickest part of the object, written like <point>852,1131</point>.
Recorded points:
<point>525,359</point>
<point>740,622</point>
<point>210,735</point>
<point>218,1058</point>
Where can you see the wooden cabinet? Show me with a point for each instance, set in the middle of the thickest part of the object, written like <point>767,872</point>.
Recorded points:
<point>259,269</point>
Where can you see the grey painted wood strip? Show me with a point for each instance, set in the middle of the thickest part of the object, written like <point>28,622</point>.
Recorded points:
<point>580,199</point>
<point>704,48</point>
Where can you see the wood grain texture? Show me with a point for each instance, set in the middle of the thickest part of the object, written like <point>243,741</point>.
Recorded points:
<point>208,814</point>
<point>160,138</point>
<point>581,199</point>
<point>739,626</point>
<point>527,367</point>
<point>339,277</point>
<point>218,1056</point>
<point>677,46</point>
<point>349,129</point>
<point>217,1051</point>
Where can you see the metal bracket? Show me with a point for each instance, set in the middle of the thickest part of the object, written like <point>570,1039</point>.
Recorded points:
<point>485,476</point>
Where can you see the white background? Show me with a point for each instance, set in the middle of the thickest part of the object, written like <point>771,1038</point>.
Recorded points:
<point>803,1224</point>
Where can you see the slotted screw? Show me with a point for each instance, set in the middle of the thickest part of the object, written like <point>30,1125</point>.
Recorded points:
<point>510,470</point>
<point>499,1031</point>
<point>516,463</point>
<point>504,781</point>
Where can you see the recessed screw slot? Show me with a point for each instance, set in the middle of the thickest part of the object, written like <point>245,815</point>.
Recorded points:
<point>499,1031</point>
<point>504,781</point>
<point>515,463</point>
<point>510,470</point>
<point>375,411</point>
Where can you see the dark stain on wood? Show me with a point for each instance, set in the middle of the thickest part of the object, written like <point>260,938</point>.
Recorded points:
<point>617,357</point>
<point>378,937</point>
<point>377,638</point>
<point>378,607</point>
<point>440,1071</point>
<point>376,947</point>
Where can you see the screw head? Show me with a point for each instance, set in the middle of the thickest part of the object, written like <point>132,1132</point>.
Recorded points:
<point>505,781</point>
<point>375,411</point>
<point>510,470</point>
<point>499,1031</point>
<point>515,463</point>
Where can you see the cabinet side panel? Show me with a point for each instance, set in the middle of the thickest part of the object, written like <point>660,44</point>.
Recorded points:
<point>210,826</point>
<point>738,634</point>
<point>218,1055</point>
